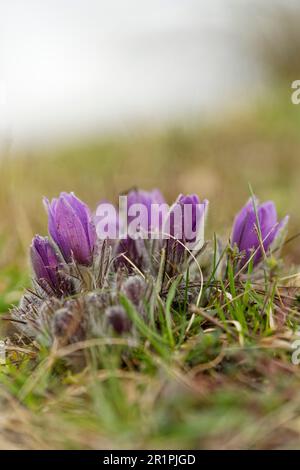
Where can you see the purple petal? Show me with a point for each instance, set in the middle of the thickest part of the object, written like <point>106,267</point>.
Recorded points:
<point>145,198</point>
<point>246,234</point>
<point>45,261</point>
<point>72,235</point>
<point>71,227</point>
<point>240,222</point>
<point>84,215</point>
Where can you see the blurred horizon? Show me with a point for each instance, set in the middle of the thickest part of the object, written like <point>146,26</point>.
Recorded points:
<point>186,97</point>
<point>87,68</point>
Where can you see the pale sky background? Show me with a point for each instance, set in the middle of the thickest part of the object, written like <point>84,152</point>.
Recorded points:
<point>77,67</point>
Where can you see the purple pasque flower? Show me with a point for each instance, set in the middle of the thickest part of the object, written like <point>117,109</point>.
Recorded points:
<point>245,233</point>
<point>71,227</point>
<point>45,262</point>
<point>185,227</point>
<point>143,217</point>
<point>186,219</point>
<point>146,205</point>
<point>136,210</point>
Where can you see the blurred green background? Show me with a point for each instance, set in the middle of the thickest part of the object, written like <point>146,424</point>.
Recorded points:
<point>209,86</point>
<point>259,145</point>
<point>250,137</point>
<point>253,138</point>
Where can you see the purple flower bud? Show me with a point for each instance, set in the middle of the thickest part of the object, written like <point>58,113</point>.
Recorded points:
<point>133,248</point>
<point>45,262</point>
<point>146,199</point>
<point>185,226</point>
<point>245,234</point>
<point>193,213</point>
<point>71,227</point>
<point>118,319</point>
<point>186,220</point>
<point>134,288</point>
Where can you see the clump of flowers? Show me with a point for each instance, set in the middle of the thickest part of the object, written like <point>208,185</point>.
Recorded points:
<point>80,278</point>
